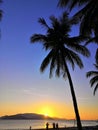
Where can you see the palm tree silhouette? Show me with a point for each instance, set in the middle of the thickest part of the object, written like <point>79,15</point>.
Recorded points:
<point>87,16</point>
<point>63,50</point>
<point>94,74</point>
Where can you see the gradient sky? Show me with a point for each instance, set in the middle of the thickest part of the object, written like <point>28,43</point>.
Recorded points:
<point>23,89</point>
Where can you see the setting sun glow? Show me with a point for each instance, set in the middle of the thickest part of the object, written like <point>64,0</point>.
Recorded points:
<point>46,111</point>
<point>46,115</point>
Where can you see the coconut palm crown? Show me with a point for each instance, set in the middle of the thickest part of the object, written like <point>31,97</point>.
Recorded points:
<point>94,75</point>
<point>87,16</point>
<point>62,50</point>
<point>58,41</point>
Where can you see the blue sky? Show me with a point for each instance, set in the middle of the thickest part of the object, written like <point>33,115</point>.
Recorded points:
<point>21,83</point>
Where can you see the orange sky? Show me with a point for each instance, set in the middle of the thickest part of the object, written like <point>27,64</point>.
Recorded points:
<point>51,109</point>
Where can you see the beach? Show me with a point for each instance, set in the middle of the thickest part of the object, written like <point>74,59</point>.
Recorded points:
<point>72,128</point>
<point>41,125</point>
<point>62,128</point>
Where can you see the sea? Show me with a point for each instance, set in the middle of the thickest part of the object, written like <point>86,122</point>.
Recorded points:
<point>37,124</point>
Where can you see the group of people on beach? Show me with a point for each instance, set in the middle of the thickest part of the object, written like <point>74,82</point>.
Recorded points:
<point>55,126</point>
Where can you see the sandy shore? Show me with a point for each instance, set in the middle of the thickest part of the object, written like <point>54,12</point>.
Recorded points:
<point>73,128</point>
<point>64,128</point>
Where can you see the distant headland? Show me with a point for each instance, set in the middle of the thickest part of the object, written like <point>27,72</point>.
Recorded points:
<point>25,116</point>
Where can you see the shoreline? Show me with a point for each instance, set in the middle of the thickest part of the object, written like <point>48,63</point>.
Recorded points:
<point>61,128</point>
<point>71,128</point>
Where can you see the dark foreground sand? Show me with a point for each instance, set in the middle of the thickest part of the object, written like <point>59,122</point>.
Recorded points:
<point>73,128</point>
<point>64,128</point>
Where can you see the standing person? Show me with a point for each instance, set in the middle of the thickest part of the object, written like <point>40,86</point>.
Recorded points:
<point>30,127</point>
<point>53,125</point>
<point>56,125</point>
<point>47,126</point>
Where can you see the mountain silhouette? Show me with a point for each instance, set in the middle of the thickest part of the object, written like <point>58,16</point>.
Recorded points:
<point>25,116</point>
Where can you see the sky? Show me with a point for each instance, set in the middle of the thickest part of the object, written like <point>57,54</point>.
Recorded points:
<point>23,89</point>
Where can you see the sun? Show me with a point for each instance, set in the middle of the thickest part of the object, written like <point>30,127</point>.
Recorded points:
<point>46,111</point>
<point>46,114</point>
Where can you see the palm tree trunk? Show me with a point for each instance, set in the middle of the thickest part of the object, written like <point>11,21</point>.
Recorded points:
<point>79,125</point>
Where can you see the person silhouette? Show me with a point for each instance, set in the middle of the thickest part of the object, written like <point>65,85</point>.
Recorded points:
<point>30,127</point>
<point>53,125</point>
<point>56,125</point>
<point>47,126</point>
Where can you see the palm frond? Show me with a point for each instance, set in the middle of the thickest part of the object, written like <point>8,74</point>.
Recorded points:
<point>64,17</point>
<point>1,12</point>
<point>94,75</point>
<point>83,50</point>
<point>64,75</point>
<point>96,66</point>
<point>54,22</point>
<point>58,65</point>
<point>67,3</point>
<point>93,80</point>
<point>38,38</point>
<point>52,65</point>
<point>43,22</point>
<point>91,40</point>
<point>78,48</point>
<point>96,56</point>
<point>68,56</point>
<point>77,39</point>
<point>91,73</point>
<point>73,59</point>
<point>46,61</point>
<point>85,26</point>
<point>82,2</point>
<point>95,89</point>
<point>62,3</point>
<point>73,4</point>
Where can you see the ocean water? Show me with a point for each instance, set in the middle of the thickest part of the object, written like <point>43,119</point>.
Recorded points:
<point>36,124</point>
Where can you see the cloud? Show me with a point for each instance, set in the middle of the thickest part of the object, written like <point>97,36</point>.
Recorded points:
<point>34,92</point>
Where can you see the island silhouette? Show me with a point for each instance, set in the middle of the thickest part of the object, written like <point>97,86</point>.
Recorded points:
<point>25,116</point>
